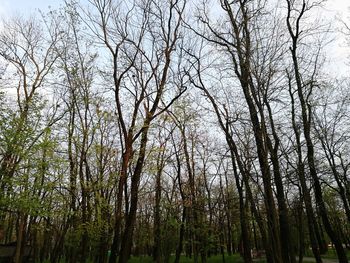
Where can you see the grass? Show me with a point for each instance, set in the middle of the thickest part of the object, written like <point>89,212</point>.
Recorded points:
<point>213,259</point>
<point>331,254</point>
<point>236,258</point>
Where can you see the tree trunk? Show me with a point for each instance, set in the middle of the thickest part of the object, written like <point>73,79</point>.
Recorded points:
<point>21,232</point>
<point>157,224</point>
<point>306,119</point>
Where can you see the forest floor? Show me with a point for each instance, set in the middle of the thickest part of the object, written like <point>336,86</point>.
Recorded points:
<point>330,257</point>
<point>324,260</point>
<point>231,259</point>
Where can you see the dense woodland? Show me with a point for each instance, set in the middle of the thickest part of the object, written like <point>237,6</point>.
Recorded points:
<point>173,128</point>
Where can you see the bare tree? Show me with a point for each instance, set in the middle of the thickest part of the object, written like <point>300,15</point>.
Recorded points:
<point>142,43</point>
<point>255,67</point>
<point>303,83</point>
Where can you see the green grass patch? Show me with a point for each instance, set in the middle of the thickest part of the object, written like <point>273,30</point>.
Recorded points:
<point>213,259</point>
<point>331,254</point>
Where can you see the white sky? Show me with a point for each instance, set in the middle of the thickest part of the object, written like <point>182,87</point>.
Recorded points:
<point>338,51</point>
<point>8,6</point>
<point>26,6</point>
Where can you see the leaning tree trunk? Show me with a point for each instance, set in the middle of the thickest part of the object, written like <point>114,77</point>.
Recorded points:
<point>306,120</point>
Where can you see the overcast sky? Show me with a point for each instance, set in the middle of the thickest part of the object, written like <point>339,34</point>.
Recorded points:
<point>333,8</point>
<point>8,6</point>
<point>339,51</point>
<point>25,6</point>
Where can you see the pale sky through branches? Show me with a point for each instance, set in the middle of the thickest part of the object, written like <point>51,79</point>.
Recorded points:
<point>26,6</point>
<point>23,6</point>
<point>334,9</point>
